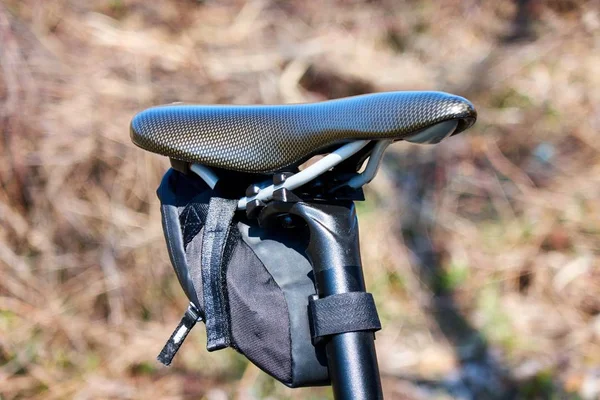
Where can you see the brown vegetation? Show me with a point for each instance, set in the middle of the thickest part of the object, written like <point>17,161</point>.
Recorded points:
<point>483,252</point>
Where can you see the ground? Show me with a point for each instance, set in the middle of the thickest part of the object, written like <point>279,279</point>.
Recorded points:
<point>483,252</point>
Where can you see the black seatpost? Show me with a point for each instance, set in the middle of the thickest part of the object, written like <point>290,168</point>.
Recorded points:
<point>335,257</point>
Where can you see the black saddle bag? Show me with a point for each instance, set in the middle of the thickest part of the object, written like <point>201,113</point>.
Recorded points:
<point>250,287</point>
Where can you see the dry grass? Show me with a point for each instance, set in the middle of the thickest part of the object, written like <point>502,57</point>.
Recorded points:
<point>510,210</point>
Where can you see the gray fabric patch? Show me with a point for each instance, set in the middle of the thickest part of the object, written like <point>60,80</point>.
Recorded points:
<point>259,315</point>
<point>292,272</point>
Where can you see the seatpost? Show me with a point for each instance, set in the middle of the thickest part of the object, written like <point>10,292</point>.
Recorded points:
<point>335,257</point>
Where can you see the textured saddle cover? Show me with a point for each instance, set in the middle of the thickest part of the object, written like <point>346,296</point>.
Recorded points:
<point>264,138</point>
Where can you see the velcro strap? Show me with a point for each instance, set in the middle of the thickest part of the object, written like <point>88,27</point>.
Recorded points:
<point>214,259</point>
<point>344,312</point>
<point>191,316</point>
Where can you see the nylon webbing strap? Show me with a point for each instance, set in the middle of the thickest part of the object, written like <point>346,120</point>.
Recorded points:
<point>214,242</point>
<point>191,316</point>
<point>345,312</point>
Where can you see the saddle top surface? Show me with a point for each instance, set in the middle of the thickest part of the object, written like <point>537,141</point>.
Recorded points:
<point>268,138</point>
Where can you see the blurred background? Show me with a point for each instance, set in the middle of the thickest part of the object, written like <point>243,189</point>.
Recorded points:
<point>483,252</point>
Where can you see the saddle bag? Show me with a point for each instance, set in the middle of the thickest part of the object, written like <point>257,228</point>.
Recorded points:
<point>250,286</point>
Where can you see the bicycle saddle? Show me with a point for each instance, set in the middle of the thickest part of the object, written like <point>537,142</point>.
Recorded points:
<point>268,138</point>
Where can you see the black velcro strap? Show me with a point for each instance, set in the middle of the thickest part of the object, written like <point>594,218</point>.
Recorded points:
<point>191,316</point>
<point>345,312</point>
<point>214,288</point>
